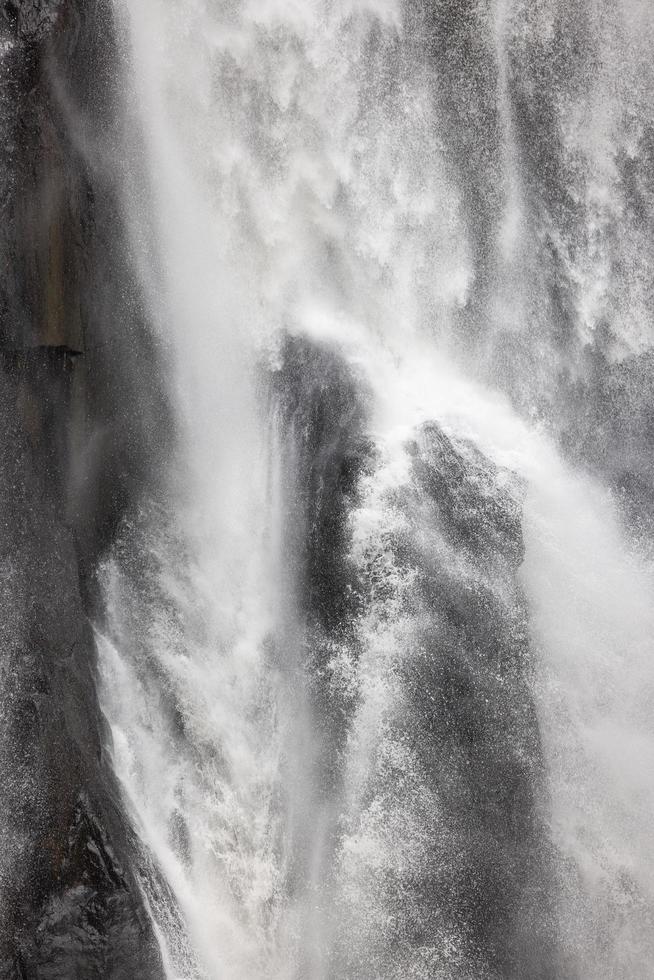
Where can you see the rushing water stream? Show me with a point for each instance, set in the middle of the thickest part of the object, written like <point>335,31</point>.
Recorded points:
<point>377,657</point>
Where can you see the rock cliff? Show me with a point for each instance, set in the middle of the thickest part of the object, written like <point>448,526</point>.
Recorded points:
<point>76,407</point>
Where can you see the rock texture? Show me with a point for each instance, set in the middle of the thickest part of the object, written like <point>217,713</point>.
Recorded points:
<point>462,732</point>
<point>473,718</point>
<point>76,411</point>
<point>324,414</point>
<point>447,854</point>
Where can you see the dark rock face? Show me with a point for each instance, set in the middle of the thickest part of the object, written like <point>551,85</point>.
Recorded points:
<point>35,19</point>
<point>74,428</point>
<point>469,686</point>
<point>473,897</point>
<point>320,411</point>
<point>70,905</point>
<point>324,415</point>
<point>70,308</point>
<point>323,411</point>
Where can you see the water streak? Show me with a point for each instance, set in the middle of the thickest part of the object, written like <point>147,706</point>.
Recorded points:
<point>293,174</point>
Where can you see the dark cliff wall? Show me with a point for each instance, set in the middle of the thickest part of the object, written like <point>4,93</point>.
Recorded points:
<point>78,401</point>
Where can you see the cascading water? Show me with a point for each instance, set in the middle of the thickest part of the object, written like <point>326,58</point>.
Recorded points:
<point>377,654</point>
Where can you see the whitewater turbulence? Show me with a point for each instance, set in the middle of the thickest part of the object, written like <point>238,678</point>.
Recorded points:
<point>376,649</point>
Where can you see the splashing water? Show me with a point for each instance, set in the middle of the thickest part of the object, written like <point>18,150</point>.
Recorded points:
<point>294,174</point>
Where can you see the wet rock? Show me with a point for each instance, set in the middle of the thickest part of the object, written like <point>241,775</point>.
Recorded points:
<point>323,413</point>
<point>33,19</point>
<point>70,902</point>
<point>473,719</point>
<point>448,829</point>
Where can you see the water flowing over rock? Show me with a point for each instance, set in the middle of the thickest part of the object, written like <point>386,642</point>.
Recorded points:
<point>327,490</point>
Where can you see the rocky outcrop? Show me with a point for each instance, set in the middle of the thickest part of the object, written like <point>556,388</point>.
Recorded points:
<point>323,412</point>
<point>473,719</point>
<point>447,566</point>
<point>76,424</point>
<point>70,905</point>
<point>447,853</point>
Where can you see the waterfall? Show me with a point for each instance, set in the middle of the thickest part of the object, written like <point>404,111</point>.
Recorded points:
<point>376,651</point>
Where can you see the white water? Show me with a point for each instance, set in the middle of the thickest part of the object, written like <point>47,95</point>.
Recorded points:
<point>292,178</point>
